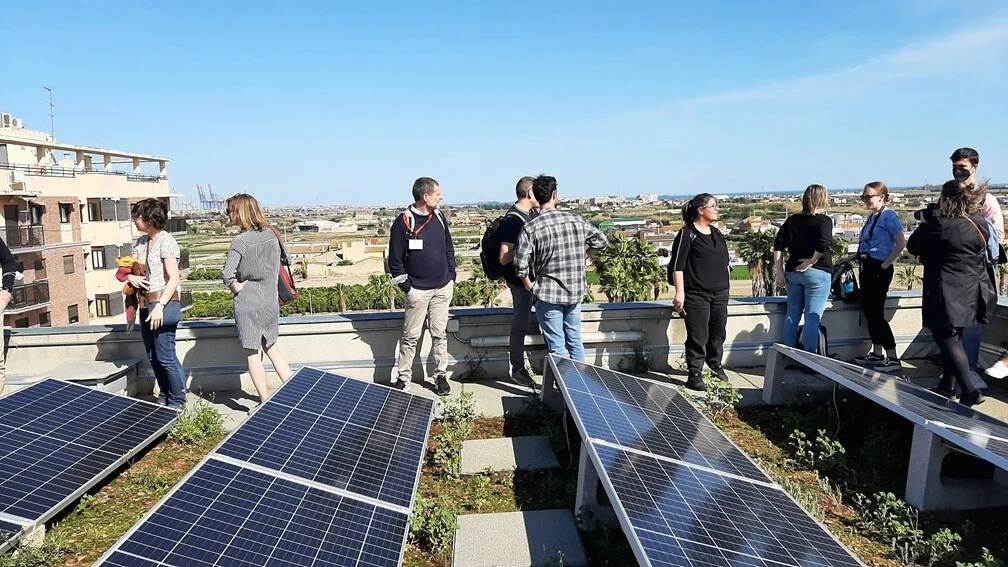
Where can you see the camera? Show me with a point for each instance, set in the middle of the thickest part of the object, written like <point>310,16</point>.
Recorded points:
<point>928,213</point>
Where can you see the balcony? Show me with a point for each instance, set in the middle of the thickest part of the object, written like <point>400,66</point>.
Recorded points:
<point>20,237</point>
<point>27,297</point>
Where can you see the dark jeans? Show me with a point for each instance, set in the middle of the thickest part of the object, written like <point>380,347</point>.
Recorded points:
<point>706,322</point>
<point>971,342</point>
<point>874,288</point>
<point>160,347</point>
<point>521,298</point>
<point>955,365</point>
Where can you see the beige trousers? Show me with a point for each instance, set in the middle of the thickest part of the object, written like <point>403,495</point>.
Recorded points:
<point>429,305</point>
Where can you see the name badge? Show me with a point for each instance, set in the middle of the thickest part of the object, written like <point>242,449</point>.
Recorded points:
<point>415,244</point>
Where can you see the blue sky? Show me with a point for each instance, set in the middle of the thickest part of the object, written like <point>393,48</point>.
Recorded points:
<point>303,103</point>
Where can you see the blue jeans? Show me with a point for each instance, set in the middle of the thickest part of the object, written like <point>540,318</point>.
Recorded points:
<point>561,328</point>
<point>806,292</point>
<point>160,347</point>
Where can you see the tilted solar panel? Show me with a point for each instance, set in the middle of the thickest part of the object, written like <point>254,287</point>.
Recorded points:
<point>227,514</point>
<point>9,532</point>
<point>688,516</point>
<point>966,427</point>
<point>57,439</point>
<point>648,416</point>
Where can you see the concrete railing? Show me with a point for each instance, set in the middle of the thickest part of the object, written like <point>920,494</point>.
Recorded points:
<point>365,345</point>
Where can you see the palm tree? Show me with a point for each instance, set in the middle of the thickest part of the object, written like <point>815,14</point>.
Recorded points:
<point>341,291</point>
<point>756,248</point>
<point>628,270</point>
<point>381,291</point>
<point>908,276</point>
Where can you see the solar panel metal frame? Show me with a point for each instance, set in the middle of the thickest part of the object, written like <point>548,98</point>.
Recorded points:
<point>588,445</point>
<point>948,431</point>
<point>286,476</point>
<point>29,523</point>
<point>13,528</point>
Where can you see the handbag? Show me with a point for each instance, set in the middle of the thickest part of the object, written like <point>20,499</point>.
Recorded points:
<point>286,291</point>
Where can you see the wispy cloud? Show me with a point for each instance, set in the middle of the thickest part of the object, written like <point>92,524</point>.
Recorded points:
<point>964,52</point>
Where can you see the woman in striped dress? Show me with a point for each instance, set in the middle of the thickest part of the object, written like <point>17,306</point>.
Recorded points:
<point>251,271</point>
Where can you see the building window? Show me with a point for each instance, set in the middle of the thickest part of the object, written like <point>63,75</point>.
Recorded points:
<point>72,315</point>
<point>21,323</point>
<point>94,210</point>
<point>98,258</point>
<point>101,304</point>
<point>35,214</point>
<point>43,319</point>
<point>40,271</point>
<point>68,264</point>
<point>66,210</point>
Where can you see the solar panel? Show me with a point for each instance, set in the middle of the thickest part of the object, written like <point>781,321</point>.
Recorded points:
<point>686,515</point>
<point>323,473</point>
<point>9,532</point>
<point>966,427</point>
<point>57,439</point>
<point>364,438</point>
<point>647,416</point>
<point>227,514</point>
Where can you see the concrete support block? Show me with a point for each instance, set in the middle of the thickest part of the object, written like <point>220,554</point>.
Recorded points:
<point>927,491</point>
<point>590,513</point>
<point>782,386</point>
<point>550,394</point>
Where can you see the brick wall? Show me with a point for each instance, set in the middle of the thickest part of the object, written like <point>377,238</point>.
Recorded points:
<point>66,289</point>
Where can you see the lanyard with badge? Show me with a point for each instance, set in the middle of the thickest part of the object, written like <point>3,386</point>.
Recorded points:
<point>416,243</point>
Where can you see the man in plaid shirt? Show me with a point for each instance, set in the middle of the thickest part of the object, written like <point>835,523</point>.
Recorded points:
<point>553,246</point>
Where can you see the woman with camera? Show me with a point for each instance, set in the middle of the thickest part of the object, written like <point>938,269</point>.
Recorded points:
<point>808,239</point>
<point>881,242</point>
<point>698,272</point>
<point>958,293</point>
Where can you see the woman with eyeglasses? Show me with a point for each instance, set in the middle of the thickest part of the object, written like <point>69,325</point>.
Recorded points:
<point>251,272</point>
<point>808,239</point>
<point>699,273</point>
<point>958,291</point>
<point>881,243</point>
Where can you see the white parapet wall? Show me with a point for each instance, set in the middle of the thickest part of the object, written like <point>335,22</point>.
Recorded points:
<point>364,345</point>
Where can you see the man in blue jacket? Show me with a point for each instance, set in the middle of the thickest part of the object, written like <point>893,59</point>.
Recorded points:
<point>422,264</point>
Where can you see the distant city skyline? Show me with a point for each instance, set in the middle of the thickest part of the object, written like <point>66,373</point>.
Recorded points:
<point>353,103</point>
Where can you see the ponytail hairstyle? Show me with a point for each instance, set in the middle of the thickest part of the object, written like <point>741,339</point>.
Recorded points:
<point>691,210</point>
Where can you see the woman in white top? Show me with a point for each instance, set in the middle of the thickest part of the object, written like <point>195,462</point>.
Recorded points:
<point>160,310</point>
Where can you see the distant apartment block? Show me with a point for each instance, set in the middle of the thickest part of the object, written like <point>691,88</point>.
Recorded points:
<point>66,213</point>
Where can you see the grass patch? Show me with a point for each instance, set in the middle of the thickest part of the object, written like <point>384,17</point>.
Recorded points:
<point>197,423</point>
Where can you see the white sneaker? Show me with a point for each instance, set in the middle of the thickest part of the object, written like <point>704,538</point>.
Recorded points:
<point>999,370</point>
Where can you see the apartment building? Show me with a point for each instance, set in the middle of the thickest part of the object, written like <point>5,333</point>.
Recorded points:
<point>66,215</point>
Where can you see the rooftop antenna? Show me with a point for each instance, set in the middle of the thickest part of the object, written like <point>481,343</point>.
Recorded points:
<point>52,129</point>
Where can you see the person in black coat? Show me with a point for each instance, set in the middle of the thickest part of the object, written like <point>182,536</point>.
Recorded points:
<point>9,265</point>
<point>958,291</point>
<point>698,271</point>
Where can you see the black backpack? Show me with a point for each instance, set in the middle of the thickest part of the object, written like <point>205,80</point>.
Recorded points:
<point>822,348</point>
<point>490,246</point>
<point>845,286</point>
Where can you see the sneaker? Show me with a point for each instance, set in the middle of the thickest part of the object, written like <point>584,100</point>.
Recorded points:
<point>404,385</point>
<point>441,386</point>
<point>523,378</point>
<point>889,365</point>
<point>695,382</point>
<point>870,359</point>
<point>972,398</point>
<point>998,371</point>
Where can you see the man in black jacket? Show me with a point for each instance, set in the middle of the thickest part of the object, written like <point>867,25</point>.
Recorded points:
<point>422,264</point>
<point>521,298</point>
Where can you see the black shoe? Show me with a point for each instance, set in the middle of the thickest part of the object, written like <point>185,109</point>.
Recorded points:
<point>889,365</point>
<point>523,378</point>
<point>950,394</point>
<point>972,398</point>
<point>720,373</point>
<point>441,386</point>
<point>695,382</point>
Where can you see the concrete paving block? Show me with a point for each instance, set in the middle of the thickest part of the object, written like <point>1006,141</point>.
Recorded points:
<point>518,539</point>
<point>507,454</point>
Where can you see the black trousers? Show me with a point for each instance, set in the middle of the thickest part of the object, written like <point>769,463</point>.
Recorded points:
<point>706,328</point>
<point>874,288</point>
<point>955,364</point>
